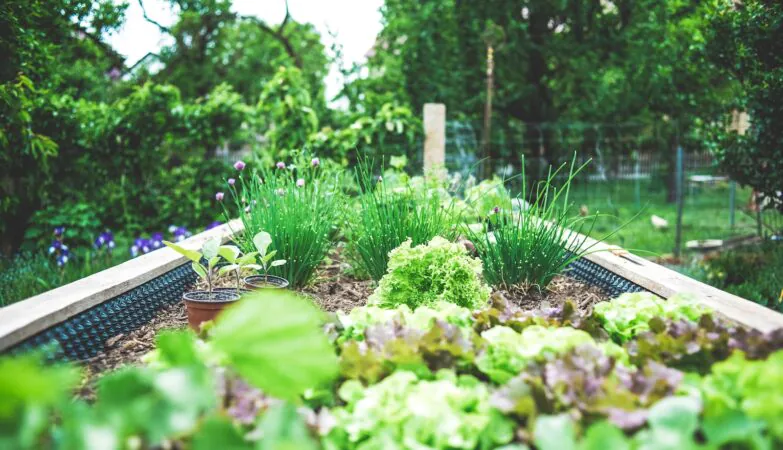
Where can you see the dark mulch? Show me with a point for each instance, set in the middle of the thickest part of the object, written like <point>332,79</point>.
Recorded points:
<point>561,288</point>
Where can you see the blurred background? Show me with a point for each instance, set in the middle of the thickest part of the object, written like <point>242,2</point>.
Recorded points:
<point>122,117</point>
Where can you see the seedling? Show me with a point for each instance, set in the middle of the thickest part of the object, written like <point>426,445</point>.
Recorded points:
<point>262,241</point>
<point>209,252</point>
<point>237,262</point>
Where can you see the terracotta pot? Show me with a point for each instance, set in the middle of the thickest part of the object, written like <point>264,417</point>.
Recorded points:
<point>203,306</point>
<point>256,282</point>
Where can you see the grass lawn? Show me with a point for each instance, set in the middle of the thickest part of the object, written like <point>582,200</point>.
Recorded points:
<point>705,214</point>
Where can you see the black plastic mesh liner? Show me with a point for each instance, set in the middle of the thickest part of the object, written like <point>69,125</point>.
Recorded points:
<point>83,335</point>
<point>611,283</point>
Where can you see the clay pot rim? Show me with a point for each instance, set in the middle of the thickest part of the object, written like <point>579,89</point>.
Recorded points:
<point>231,294</point>
<point>271,282</point>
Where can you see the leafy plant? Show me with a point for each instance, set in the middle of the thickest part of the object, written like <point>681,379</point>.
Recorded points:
<point>630,313</point>
<point>436,271</point>
<point>532,246</point>
<point>298,206</point>
<point>209,252</point>
<point>262,241</point>
<point>449,412</point>
<point>389,217</point>
<point>508,352</point>
<point>237,262</point>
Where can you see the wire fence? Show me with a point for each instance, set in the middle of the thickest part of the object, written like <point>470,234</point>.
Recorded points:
<point>629,180</point>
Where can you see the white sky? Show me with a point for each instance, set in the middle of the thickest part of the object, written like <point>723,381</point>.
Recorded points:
<point>356,23</point>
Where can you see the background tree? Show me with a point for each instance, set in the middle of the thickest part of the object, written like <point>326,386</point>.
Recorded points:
<point>746,40</point>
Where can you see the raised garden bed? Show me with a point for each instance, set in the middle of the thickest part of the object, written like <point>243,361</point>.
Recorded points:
<point>451,364</point>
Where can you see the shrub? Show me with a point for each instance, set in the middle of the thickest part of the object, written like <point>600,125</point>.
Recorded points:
<point>298,205</point>
<point>387,218</point>
<point>534,245</point>
<point>425,274</point>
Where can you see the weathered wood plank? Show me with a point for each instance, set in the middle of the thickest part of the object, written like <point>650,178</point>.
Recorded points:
<point>26,318</point>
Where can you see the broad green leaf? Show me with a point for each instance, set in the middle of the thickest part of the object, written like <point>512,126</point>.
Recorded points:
<point>199,269</point>
<point>228,268</point>
<point>274,341</point>
<point>229,252</point>
<point>733,427</point>
<point>555,433</point>
<point>210,248</point>
<point>219,433</point>
<point>190,254</point>
<point>680,414</point>
<point>247,259</point>
<point>177,348</point>
<point>213,261</point>
<point>283,429</point>
<point>262,240</point>
<point>278,262</point>
<point>604,436</point>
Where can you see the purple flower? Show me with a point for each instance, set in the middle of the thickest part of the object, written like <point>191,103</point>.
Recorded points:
<point>496,210</point>
<point>105,239</point>
<point>58,231</point>
<point>280,165</point>
<point>181,233</point>
<point>214,224</point>
<point>315,162</point>
<point>219,196</point>
<point>239,165</point>
<point>300,182</point>
<point>62,259</point>
<point>56,246</point>
<point>231,181</point>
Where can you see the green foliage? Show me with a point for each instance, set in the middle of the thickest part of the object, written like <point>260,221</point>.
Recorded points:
<point>484,197</point>
<point>30,273</point>
<point>745,41</point>
<point>209,252</point>
<point>450,412</point>
<point>389,216</point>
<point>738,387</point>
<point>300,219</point>
<point>392,130</point>
<point>530,247</point>
<point>288,107</point>
<point>752,273</point>
<point>436,271</point>
<point>629,314</point>
<point>289,353</point>
<point>354,324</point>
<point>508,352</point>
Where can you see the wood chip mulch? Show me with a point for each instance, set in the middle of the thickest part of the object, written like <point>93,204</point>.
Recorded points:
<point>561,288</point>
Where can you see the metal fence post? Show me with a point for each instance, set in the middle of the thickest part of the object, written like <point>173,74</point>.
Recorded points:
<point>732,201</point>
<point>679,193</point>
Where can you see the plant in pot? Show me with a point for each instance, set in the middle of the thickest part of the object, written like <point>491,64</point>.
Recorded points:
<point>262,241</point>
<point>237,263</point>
<point>205,305</point>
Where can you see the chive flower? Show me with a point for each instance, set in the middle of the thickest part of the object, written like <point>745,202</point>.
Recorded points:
<point>300,182</point>
<point>219,196</point>
<point>231,181</point>
<point>239,165</point>
<point>315,162</point>
<point>280,165</point>
<point>495,210</point>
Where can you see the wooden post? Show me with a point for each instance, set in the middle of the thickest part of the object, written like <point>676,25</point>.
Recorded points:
<point>434,136</point>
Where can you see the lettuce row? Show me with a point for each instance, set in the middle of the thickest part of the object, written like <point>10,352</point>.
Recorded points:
<point>630,313</point>
<point>403,412</point>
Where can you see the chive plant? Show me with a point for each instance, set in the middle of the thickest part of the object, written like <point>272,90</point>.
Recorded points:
<point>388,217</point>
<point>530,247</point>
<point>297,206</point>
